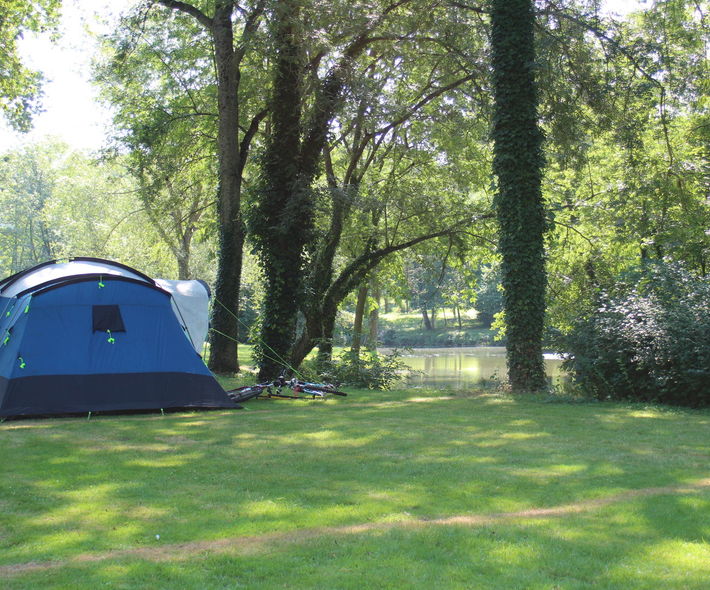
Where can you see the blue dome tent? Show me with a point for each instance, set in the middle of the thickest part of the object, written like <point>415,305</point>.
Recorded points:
<point>91,335</point>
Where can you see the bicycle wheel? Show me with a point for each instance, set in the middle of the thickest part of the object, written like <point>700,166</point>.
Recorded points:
<point>242,394</point>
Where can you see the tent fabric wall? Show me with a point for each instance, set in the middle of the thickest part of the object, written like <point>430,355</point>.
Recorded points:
<point>190,301</point>
<point>54,360</point>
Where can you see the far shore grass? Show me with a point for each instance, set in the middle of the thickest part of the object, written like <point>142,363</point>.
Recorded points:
<point>399,489</point>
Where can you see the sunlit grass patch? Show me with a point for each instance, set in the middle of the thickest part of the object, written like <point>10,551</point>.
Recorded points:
<point>361,492</point>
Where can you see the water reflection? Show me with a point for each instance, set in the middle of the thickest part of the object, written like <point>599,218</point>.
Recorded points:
<point>459,368</point>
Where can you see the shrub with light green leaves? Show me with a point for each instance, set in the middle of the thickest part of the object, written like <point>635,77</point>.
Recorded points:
<point>366,369</point>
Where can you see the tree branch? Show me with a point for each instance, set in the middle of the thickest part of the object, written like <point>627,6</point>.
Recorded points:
<point>248,136</point>
<point>193,11</point>
<point>249,29</point>
<point>354,273</point>
<point>423,102</point>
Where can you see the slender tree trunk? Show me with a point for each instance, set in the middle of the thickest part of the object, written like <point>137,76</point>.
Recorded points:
<point>458,317</point>
<point>325,346</point>
<point>183,263</point>
<point>359,315</point>
<point>518,163</point>
<point>426,320</point>
<point>373,318</point>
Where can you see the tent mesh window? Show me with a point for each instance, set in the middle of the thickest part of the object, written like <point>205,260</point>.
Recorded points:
<point>107,318</point>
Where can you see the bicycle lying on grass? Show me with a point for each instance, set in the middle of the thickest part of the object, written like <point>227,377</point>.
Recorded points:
<point>275,389</point>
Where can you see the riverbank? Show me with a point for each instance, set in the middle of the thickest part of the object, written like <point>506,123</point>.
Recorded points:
<point>408,330</point>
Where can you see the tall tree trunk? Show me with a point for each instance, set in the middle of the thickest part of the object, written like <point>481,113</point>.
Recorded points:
<point>225,329</point>
<point>518,163</point>
<point>359,315</point>
<point>223,340</point>
<point>292,157</point>
<point>282,222</point>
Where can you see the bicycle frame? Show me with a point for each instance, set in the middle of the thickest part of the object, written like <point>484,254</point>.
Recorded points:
<point>273,389</point>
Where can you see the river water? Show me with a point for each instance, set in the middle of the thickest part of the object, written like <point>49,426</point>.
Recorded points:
<point>460,368</point>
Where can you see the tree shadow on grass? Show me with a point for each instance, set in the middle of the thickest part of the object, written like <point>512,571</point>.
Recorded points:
<point>613,548</point>
<point>111,484</point>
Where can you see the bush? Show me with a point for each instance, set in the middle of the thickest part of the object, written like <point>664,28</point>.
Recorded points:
<point>368,369</point>
<point>647,340</point>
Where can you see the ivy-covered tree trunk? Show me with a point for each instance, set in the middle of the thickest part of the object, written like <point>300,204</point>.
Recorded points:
<point>518,164</point>
<point>282,221</point>
<point>283,216</point>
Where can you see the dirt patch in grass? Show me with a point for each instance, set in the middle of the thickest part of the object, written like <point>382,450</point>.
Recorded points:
<point>255,544</point>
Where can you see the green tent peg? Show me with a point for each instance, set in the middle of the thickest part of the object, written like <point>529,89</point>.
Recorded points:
<point>110,338</point>
<point>7,338</point>
<point>22,362</point>
<point>101,282</point>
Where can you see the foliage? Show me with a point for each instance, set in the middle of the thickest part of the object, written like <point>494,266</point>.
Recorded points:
<point>20,87</point>
<point>364,369</point>
<point>425,275</point>
<point>489,295</point>
<point>438,337</point>
<point>28,181</point>
<point>635,186</point>
<point>648,339</point>
<point>60,203</point>
<point>162,126</point>
<point>518,162</point>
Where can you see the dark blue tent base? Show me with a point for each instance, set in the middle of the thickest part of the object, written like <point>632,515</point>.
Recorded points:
<point>80,394</point>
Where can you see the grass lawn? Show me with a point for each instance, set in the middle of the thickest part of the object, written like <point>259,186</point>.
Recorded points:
<point>403,489</point>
